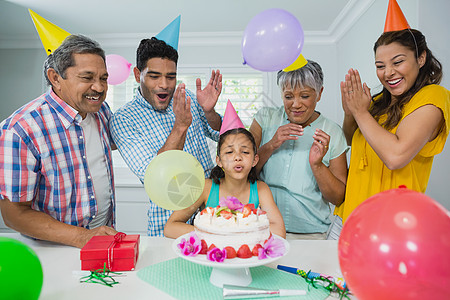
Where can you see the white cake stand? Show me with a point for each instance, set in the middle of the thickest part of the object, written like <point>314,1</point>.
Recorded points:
<point>231,271</point>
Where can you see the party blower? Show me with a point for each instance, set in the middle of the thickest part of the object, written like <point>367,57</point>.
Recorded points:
<point>241,292</point>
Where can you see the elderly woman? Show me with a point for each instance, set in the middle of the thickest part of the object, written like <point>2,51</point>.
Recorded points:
<point>302,154</point>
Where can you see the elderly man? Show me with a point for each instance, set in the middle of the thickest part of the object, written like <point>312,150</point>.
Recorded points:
<point>56,178</point>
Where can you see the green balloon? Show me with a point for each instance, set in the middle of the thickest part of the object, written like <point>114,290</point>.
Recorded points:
<point>20,271</point>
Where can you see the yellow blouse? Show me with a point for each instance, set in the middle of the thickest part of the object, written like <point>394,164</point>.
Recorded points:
<point>368,175</point>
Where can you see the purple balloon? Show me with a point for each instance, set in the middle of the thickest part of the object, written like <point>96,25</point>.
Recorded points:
<point>272,40</point>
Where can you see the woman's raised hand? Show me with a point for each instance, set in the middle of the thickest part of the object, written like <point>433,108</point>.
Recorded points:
<point>355,96</point>
<point>319,147</point>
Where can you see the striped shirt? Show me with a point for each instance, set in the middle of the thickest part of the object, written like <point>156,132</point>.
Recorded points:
<point>43,159</point>
<point>140,131</point>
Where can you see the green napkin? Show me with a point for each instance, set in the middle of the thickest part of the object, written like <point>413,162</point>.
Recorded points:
<point>183,279</point>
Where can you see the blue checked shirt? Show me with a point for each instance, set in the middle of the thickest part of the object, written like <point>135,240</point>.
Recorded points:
<point>43,159</point>
<point>139,132</point>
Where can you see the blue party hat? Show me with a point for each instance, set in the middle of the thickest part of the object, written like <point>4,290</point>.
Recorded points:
<point>171,33</point>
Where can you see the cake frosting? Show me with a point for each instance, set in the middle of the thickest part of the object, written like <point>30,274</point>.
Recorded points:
<point>224,227</point>
<point>231,230</point>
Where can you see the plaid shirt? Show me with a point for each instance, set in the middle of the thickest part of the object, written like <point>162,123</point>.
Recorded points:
<point>139,132</point>
<point>43,159</point>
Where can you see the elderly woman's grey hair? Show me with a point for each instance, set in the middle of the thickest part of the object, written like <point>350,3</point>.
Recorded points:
<point>310,75</point>
<point>62,58</point>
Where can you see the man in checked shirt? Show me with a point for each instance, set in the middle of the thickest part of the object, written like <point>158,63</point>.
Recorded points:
<point>56,178</point>
<point>163,116</point>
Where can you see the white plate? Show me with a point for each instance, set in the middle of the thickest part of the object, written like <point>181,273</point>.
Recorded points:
<point>229,263</point>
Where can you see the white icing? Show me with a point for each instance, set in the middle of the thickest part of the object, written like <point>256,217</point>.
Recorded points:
<point>233,232</point>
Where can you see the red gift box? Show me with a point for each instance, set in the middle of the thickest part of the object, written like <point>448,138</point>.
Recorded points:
<point>119,252</point>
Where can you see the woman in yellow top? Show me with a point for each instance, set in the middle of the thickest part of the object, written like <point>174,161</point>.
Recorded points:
<point>395,134</point>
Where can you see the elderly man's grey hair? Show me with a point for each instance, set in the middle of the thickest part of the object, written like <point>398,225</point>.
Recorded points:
<point>47,65</point>
<point>310,75</point>
<point>62,58</point>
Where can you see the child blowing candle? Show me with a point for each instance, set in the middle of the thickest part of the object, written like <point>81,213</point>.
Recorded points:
<point>233,176</point>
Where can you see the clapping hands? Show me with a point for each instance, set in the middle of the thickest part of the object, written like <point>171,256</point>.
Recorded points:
<point>319,147</point>
<point>207,97</point>
<point>182,107</point>
<point>355,96</point>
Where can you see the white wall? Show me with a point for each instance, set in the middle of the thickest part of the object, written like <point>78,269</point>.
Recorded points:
<point>21,79</point>
<point>434,22</point>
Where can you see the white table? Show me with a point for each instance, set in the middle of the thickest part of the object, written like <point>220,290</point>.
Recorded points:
<point>59,263</point>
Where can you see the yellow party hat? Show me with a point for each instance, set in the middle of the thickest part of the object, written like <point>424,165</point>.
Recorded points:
<point>51,35</point>
<point>297,64</point>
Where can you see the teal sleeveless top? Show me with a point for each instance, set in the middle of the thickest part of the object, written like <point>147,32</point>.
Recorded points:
<point>213,198</point>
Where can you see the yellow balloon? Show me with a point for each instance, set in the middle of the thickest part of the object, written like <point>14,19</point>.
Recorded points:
<point>174,180</point>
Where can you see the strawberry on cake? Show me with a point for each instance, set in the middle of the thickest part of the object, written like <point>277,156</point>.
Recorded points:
<point>240,233</point>
<point>231,230</point>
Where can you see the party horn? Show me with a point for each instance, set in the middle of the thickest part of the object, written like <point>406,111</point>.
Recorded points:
<point>338,281</point>
<point>240,292</point>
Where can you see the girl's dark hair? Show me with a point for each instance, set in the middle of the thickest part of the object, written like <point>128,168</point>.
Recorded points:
<point>429,73</point>
<point>217,172</point>
<point>150,48</point>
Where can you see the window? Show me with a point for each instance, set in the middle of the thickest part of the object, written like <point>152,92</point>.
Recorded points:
<point>247,90</point>
<point>120,94</point>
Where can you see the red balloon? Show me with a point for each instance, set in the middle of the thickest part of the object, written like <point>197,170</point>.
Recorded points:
<point>396,245</point>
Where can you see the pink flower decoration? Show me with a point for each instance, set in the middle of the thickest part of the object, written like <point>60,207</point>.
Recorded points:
<point>216,255</point>
<point>191,246</point>
<point>232,203</point>
<point>272,248</point>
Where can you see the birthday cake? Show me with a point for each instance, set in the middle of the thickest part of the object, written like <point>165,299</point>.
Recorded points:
<point>240,232</point>
<point>231,230</point>
<point>239,229</point>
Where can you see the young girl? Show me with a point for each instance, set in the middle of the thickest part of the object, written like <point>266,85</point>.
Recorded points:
<point>234,176</point>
